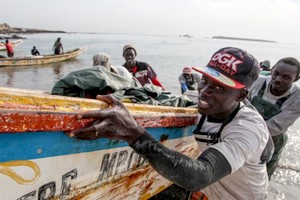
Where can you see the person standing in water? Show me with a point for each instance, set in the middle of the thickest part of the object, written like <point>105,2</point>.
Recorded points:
<point>58,47</point>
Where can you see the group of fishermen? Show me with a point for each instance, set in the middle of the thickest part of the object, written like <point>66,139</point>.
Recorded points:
<point>57,47</point>
<point>244,117</point>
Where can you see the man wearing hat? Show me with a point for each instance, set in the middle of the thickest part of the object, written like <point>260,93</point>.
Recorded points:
<point>188,80</point>
<point>102,59</point>
<point>265,67</point>
<point>142,71</point>
<point>231,133</point>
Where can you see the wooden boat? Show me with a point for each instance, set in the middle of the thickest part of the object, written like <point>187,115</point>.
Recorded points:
<point>39,161</point>
<point>40,60</point>
<point>13,42</point>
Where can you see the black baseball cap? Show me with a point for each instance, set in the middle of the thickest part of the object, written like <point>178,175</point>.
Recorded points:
<point>232,67</point>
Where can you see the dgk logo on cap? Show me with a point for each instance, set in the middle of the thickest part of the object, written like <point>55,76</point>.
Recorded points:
<point>226,62</point>
<point>232,67</point>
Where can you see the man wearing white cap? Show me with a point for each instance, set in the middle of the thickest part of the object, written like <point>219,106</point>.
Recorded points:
<point>102,59</point>
<point>231,133</point>
<point>188,80</point>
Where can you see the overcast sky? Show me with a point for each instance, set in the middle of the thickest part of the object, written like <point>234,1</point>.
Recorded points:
<point>277,20</point>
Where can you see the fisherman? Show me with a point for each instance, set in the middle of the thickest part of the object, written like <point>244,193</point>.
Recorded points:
<point>102,59</point>
<point>277,99</point>
<point>34,51</point>
<point>140,70</point>
<point>9,49</point>
<point>90,82</point>
<point>188,80</point>
<point>58,47</point>
<point>231,133</point>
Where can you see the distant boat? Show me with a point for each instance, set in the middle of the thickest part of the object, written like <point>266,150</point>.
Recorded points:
<point>13,42</point>
<point>186,35</point>
<point>243,39</point>
<point>39,60</point>
<point>38,161</point>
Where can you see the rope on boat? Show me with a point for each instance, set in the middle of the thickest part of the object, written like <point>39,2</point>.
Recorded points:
<point>6,170</point>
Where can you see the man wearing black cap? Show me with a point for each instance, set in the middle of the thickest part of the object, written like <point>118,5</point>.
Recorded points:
<point>231,133</point>
<point>142,71</point>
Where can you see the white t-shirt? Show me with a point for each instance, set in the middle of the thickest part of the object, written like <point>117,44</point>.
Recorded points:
<point>242,142</point>
<point>122,71</point>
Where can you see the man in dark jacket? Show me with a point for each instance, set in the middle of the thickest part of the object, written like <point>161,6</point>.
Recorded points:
<point>142,71</point>
<point>34,51</point>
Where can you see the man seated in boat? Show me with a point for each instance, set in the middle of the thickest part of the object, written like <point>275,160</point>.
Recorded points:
<point>34,51</point>
<point>102,78</point>
<point>277,99</point>
<point>231,134</point>
<point>188,80</point>
<point>142,71</point>
<point>102,59</point>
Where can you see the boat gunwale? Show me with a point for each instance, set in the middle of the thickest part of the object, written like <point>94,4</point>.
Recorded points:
<point>71,52</point>
<point>41,98</point>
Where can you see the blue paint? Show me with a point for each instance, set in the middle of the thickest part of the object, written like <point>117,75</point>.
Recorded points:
<point>34,145</point>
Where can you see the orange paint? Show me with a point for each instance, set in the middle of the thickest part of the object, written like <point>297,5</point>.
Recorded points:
<point>23,111</point>
<point>32,121</point>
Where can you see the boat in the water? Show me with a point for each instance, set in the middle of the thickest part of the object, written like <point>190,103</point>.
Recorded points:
<point>14,43</point>
<point>40,60</point>
<point>39,161</point>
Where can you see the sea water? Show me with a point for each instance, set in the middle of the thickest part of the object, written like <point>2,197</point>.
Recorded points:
<point>168,55</point>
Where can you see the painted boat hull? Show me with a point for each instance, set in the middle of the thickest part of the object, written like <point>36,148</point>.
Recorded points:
<point>14,44</point>
<point>48,164</point>
<point>40,60</point>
